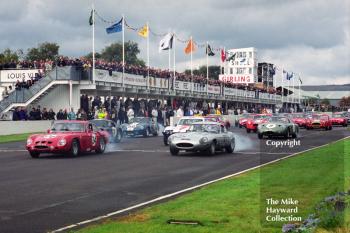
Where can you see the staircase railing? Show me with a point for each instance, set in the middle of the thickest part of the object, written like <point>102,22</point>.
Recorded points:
<point>23,95</point>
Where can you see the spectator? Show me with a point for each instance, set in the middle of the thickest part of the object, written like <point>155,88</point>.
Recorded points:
<point>72,115</point>
<point>51,114</point>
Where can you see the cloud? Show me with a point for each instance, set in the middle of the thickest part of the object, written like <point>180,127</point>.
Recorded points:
<point>308,37</point>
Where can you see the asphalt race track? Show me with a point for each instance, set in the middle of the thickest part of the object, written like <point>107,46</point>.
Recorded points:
<point>39,195</point>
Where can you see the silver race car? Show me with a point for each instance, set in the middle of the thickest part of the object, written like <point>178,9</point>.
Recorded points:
<point>204,137</point>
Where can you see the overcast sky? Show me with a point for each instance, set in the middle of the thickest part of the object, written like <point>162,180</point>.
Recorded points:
<point>310,37</point>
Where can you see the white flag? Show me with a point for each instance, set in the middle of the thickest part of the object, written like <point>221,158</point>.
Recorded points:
<point>166,43</point>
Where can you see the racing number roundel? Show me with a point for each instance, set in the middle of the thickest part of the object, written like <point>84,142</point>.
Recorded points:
<point>94,139</point>
<point>270,126</point>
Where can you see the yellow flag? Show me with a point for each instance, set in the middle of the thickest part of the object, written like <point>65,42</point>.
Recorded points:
<point>144,31</point>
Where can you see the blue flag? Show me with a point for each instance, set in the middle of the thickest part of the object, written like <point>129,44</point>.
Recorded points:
<point>117,27</point>
<point>290,76</point>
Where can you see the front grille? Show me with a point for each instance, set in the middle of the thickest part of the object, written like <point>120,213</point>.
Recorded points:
<point>41,147</point>
<point>184,144</point>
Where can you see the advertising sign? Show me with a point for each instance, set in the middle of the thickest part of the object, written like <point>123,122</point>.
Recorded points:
<point>11,76</point>
<point>237,79</point>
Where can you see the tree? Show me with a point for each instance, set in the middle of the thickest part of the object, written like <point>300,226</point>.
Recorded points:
<point>114,52</point>
<point>44,51</point>
<point>214,71</point>
<point>8,55</point>
<point>344,102</point>
<point>89,56</point>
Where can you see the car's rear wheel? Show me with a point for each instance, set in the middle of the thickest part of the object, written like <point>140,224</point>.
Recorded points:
<point>102,146</point>
<point>330,127</point>
<point>155,133</point>
<point>75,148</point>
<point>34,154</point>
<point>345,125</point>
<point>230,148</point>
<point>174,151</point>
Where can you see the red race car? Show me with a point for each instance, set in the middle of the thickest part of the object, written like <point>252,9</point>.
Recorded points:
<point>71,137</point>
<point>339,119</point>
<point>220,119</point>
<point>299,119</point>
<point>319,122</point>
<point>242,121</point>
<point>252,124</point>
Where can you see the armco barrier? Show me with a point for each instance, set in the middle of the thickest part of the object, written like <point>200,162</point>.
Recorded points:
<point>19,127</point>
<point>230,118</point>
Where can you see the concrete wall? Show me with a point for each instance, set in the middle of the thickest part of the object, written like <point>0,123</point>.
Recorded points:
<point>19,127</point>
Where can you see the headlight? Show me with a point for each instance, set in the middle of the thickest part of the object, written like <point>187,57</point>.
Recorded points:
<point>203,140</point>
<point>29,141</point>
<point>62,142</point>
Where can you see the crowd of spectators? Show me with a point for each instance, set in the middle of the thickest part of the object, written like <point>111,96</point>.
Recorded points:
<point>47,65</point>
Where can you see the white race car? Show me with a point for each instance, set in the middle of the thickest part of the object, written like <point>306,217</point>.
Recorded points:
<point>181,127</point>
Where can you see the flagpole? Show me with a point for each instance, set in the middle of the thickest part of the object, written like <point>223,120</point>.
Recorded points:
<point>191,43</point>
<point>93,43</point>
<point>221,60</point>
<point>148,65</point>
<point>123,38</point>
<point>207,69</point>
<point>293,91</point>
<point>282,91</point>
<point>174,58</point>
<point>299,88</point>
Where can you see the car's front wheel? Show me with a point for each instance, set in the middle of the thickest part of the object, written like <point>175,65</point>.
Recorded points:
<point>211,149</point>
<point>34,154</point>
<point>146,133</point>
<point>260,135</point>
<point>174,151</point>
<point>75,148</point>
<point>102,146</point>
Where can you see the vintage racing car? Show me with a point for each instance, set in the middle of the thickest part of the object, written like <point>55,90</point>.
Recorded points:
<point>203,137</point>
<point>220,119</point>
<point>180,127</point>
<point>319,121</point>
<point>339,118</point>
<point>70,137</point>
<point>252,123</point>
<point>115,131</point>
<point>299,119</point>
<point>144,126</point>
<point>278,126</point>
<point>243,119</point>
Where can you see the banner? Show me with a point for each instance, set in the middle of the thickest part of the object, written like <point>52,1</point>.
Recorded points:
<point>214,90</point>
<point>11,76</point>
<point>182,86</point>
<point>236,79</point>
<point>129,79</point>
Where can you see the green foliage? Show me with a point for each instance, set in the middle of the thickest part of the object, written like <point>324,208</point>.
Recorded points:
<point>214,71</point>
<point>89,56</point>
<point>114,52</point>
<point>8,55</point>
<point>44,51</point>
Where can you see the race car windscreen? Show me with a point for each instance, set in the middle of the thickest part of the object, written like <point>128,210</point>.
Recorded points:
<point>298,116</point>
<point>64,127</point>
<point>188,121</point>
<point>338,115</point>
<point>100,123</point>
<point>279,119</point>
<point>138,120</point>
<point>205,128</point>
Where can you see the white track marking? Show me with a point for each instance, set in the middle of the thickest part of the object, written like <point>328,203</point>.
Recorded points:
<point>183,191</point>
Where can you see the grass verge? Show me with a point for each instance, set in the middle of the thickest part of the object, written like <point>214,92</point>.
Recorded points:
<point>14,137</point>
<point>239,204</point>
